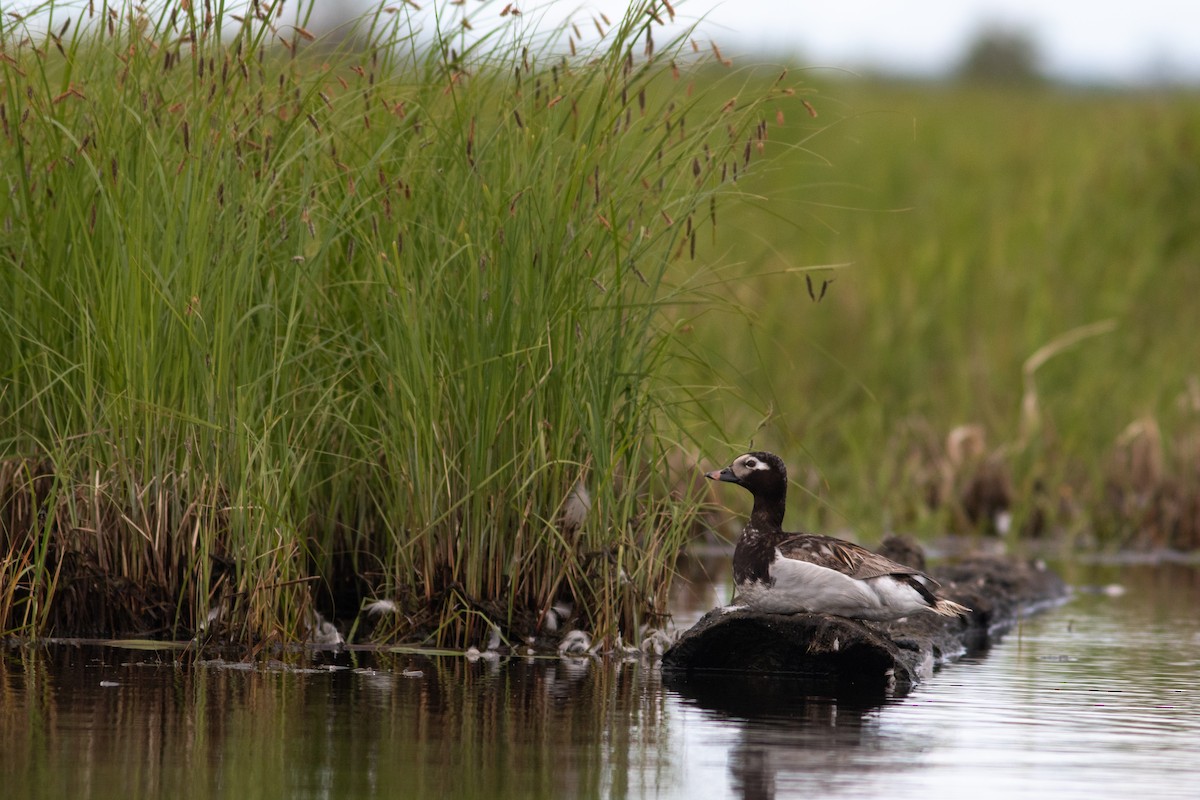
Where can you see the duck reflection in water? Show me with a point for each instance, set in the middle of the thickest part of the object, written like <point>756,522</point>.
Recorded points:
<point>786,726</point>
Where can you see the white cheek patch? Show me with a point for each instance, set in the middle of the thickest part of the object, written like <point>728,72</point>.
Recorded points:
<point>746,465</point>
<point>753,463</point>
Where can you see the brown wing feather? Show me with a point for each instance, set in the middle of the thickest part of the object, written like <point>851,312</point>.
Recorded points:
<point>845,557</point>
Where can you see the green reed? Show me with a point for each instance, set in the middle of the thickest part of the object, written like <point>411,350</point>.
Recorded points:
<point>292,323</point>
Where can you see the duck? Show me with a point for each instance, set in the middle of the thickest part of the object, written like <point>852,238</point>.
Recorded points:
<point>789,573</point>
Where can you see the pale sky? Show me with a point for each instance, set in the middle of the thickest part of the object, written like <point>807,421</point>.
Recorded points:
<point>1114,41</point>
<point>1123,42</point>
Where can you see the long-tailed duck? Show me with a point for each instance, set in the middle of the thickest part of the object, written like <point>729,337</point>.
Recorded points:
<point>786,573</point>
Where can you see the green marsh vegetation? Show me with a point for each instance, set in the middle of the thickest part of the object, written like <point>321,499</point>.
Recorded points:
<point>292,324</point>
<point>1018,268</point>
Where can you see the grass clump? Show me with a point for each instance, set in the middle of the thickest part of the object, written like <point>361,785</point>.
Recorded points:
<point>291,324</point>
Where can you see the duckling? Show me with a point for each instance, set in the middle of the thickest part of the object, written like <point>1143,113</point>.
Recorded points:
<point>787,573</point>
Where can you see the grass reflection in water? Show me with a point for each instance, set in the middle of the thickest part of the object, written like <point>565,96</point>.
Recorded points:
<point>1083,701</point>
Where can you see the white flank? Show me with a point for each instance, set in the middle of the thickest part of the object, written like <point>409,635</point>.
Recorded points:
<point>801,586</point>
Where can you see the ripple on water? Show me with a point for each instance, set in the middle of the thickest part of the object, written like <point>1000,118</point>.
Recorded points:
<point>1092,700</point>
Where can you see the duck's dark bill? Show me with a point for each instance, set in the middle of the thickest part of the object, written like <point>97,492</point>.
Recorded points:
<point>722,475</point>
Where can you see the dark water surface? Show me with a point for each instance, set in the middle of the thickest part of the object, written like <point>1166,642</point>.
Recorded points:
<point>1095,699</point>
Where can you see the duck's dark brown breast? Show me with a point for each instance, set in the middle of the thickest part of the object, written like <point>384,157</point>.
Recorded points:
<point>752,557</point>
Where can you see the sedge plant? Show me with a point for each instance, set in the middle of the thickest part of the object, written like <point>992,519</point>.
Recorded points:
<point>294,322</point>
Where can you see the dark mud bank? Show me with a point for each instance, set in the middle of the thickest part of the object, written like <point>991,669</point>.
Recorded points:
<point>844,654</point>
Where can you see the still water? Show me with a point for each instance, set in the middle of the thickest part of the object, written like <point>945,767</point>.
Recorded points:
<point>1094,699</point>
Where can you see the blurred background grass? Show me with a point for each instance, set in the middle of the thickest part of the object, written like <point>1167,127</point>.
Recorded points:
<point>974,224</point>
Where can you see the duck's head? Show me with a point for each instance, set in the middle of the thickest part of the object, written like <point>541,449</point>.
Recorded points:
<point>762,473</point>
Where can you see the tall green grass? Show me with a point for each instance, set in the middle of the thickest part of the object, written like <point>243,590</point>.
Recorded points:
<point>291,324</point>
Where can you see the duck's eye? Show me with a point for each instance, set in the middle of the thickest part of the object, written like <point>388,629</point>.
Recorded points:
<point>751,463</point>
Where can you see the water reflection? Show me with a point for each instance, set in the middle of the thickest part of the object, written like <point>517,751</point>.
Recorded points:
<point>1085,701</point>
<point>107,723</point>
<point>782,728</point>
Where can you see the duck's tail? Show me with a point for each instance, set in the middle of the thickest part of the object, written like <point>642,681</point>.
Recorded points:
<point>949,608</point>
